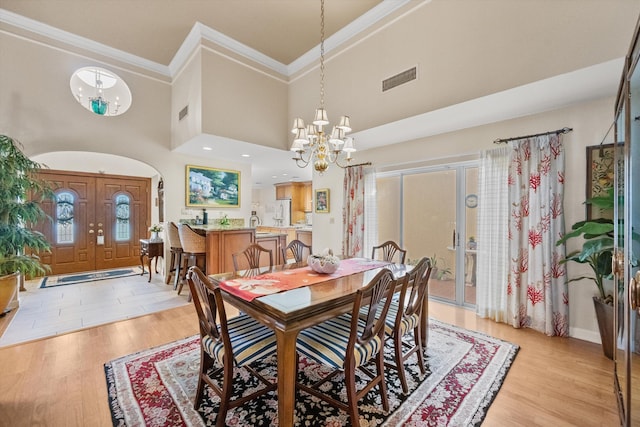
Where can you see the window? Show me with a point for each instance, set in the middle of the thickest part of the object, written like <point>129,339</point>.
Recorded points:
<point>123,215</point>
<point>64,218</point>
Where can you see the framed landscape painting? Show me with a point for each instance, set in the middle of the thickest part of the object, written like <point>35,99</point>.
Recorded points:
<point>212,188</point>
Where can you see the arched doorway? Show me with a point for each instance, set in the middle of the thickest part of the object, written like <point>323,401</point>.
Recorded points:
<point>97,218</point>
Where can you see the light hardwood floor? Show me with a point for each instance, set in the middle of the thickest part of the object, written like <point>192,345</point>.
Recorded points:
<point>60,381</point>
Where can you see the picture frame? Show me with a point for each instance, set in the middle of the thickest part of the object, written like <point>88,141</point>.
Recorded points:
<point>207,187</point>
<point>321,200</point>
<point>600,176</point>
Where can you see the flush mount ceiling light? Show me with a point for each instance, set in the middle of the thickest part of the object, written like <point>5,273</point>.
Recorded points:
<point>311,144</point>
<point>100,91</point>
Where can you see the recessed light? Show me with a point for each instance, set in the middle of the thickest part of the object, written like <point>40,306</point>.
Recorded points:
<point>207,148</point>
<point>245,155</point>
<point>274,176</point>
<point>285,174</point>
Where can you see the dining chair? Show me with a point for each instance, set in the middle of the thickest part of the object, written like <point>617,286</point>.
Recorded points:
<point>346,343</point>
<point>249,259</point>
<point>226,345</point>
<point>175,246</point>
<point>297,248</point>
<point>193,251</point>
<point>389,250</point>
<point>403,318</point>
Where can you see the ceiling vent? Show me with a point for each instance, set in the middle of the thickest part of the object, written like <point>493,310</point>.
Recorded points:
<point>399,79</point>
<point>183,113</point>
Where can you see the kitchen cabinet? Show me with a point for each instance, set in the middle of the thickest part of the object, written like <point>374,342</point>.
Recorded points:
<point>300,195</point>
<point>289,232</point>
<point>283,191</point>
<point>308,197</point>
<point>275,242</point>
<point>304,236</point>
<point>222,243</point>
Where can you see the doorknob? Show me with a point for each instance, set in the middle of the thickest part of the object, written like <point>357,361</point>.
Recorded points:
<point>634,292</point>
<point>617,263</point>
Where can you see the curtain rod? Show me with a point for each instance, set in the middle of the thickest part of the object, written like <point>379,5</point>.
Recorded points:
<point>360,164</point>
<point>563,130</point>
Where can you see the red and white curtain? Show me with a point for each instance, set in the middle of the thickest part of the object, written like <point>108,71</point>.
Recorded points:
<point>536,287</point>
<point>353,217</point>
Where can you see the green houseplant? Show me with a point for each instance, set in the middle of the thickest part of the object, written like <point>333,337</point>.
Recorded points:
<point>20,195</point>
<point>597,253</point>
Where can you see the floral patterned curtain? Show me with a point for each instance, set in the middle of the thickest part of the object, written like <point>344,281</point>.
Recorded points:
<point>537,291</point>
<point>353,212</point>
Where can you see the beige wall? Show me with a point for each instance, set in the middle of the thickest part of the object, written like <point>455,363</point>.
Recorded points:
<point>186,90</point>
<point>590,122</point>
<point>456,62</point>
<point>464,50</point>
<point>242,103</point>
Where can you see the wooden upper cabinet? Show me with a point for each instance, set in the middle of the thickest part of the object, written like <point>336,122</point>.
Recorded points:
<point>308,197</point>
<point>283,191</point>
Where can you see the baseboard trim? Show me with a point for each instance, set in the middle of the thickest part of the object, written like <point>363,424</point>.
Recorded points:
<point>585,335</point>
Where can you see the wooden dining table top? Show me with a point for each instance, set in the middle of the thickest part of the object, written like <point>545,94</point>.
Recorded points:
<point>297,304</point>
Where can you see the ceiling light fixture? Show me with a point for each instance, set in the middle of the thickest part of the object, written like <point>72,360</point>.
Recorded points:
<point>311,143</point>
<point>100,91</point>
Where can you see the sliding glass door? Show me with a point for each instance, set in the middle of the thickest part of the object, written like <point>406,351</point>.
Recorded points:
<point>431,212</point>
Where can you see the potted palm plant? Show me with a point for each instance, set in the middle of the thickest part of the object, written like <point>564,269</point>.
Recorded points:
<point>597,253</point>
<point>21,192</point>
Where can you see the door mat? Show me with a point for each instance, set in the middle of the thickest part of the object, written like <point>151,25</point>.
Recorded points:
<point>90,276</point>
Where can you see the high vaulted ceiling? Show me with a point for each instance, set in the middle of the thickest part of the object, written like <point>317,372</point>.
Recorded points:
<point>154,29</point>
<point>467,38</point>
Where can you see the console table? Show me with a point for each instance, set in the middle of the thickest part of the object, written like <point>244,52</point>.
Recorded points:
<point>151,249</point>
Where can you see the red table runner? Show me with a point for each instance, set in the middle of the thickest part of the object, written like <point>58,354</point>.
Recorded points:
<point>271,283</point>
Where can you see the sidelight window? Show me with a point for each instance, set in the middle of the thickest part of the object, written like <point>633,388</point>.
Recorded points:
<point>64,218</point>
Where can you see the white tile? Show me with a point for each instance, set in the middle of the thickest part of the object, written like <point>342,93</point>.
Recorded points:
<point>46,312</point>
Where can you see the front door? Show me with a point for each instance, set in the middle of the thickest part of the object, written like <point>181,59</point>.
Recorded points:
<point>97,221</point>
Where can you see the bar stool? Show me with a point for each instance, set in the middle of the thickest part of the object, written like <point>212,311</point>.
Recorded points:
<point>193,250</point>
<point>173,236</point>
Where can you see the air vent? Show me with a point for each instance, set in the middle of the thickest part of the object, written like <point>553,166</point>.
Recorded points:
<point>183,113</point>
<point>399,79</point>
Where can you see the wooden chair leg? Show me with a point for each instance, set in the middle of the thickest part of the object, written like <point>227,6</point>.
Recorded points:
<point>179,269</point>
<point>418,337</point>
<point>381,383</point>
<point>397,348</point>
<point>227,391</point>
<point>352,396</point>
<point>171,268</point>
<point>185,268</point>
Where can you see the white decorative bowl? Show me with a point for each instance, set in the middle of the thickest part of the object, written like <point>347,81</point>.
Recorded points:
<point>323,264</point>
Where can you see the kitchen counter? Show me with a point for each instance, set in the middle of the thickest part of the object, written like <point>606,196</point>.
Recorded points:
<point>223,241</point>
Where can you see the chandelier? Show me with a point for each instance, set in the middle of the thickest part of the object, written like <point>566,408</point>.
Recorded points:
<point>100,91</point>
<point>311,144</point>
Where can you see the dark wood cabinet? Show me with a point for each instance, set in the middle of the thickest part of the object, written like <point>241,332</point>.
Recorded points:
<point>150,249</point>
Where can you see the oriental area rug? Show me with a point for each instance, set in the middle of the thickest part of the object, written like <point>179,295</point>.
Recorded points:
<point>465,370</point>
<point>90,276</point>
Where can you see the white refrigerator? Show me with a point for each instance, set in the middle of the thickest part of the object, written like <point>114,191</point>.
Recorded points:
<point>282,213</point>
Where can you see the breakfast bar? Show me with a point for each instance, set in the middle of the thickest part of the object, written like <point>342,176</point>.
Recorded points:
<point>223,241</point>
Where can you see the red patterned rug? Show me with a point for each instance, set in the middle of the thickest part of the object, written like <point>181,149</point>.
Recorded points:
<point>465,371</point>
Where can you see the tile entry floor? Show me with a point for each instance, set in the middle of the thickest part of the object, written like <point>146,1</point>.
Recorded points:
<point>61,309</point>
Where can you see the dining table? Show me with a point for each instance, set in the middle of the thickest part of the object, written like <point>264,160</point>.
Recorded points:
<point>287,312</point>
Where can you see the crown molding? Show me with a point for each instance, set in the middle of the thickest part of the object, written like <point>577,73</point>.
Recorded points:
<point>199,32</point>
<point>360,24</point>
<point>66,37</point>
